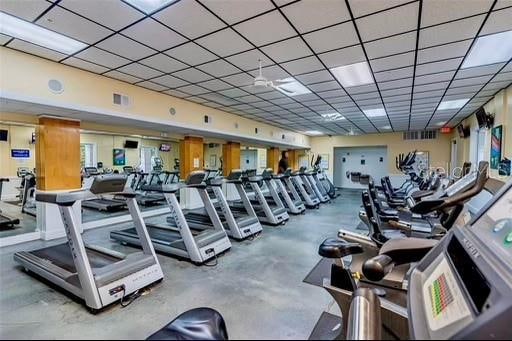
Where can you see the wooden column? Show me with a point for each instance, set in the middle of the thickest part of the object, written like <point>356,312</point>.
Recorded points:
<point>230,157</point>
<point>273,156</point>
<point>57,154</point>
<point>191,155</point>
<point>293,159</point>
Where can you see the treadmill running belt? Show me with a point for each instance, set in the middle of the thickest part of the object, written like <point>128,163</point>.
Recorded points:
<point>60,255</point>
<point>158,234</point>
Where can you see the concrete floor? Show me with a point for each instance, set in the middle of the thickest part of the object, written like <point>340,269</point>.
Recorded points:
<point>257,286</point>
<point>27,222</point>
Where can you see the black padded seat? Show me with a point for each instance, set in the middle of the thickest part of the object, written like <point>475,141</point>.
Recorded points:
<point>338,248</point>
<point>407,250</point>
<point>195,324</point>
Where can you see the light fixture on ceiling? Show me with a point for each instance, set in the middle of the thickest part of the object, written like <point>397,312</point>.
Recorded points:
<point>353,74</point>
<point>442,123</point>
<point>377,112</point>
<point>455,104</point>
<point>38,35</point>
<point>333,116</point>
<point>386,127</point>
<point>351,132</point>
<point>313,132</point>
<point>149,6</point>
<point>493,48</point>
<point>290,87</point>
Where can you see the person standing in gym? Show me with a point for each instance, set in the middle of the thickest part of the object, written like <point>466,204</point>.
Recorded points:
<point>283,163</point>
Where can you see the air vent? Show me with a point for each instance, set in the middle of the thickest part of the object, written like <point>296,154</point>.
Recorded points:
<point>207,119</point>
<point>172,111</point>
<point>420,135</point>
<point>121,100</point>
<point>255,130</point>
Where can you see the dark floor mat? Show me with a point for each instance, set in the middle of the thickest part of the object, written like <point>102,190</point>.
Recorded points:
<point>320,271</point>
<point>328,327</point>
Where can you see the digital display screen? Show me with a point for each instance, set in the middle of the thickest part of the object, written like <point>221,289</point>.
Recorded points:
<point>494,227</point>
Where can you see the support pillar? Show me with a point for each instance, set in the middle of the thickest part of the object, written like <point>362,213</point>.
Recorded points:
<point>293,159</point>
<point>57,169</point>
<point>273,156</point>
<point>230,157</point>
<point>191,155</point>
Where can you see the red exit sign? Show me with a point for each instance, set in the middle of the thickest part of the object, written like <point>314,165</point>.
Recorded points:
<point>446,130</point>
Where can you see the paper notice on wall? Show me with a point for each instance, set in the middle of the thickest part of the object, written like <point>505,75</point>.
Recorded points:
<point>196,162</point>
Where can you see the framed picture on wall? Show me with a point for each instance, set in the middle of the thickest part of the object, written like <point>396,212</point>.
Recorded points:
<point>496,145</point>
<point>213,161</point>
<point>324,164</point>
<point>119,157</point>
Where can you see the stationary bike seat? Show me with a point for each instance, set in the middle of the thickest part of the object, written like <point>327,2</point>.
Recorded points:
<point>338,248</point>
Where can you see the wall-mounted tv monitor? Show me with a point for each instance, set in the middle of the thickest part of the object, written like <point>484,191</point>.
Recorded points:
<point>463,132</point>
<point>4,134</point>
<point>131,144</point>
<point>165,147</point>
<point>481,117</point>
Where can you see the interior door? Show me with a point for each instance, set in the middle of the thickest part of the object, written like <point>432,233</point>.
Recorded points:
<point>146,156</point>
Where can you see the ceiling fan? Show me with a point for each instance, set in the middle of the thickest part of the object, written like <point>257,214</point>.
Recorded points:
<point>262,81</point>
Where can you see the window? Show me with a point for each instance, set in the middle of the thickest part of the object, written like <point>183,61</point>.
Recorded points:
<point>480,145</point>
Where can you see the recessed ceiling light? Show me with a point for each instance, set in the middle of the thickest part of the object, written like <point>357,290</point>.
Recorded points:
<point>378,112</point>
<point>290,87</point>
<point>333,116</point>
<point>386,127</point>
<point>455,104</point>
<point>149,6</point>
<point>494,48</point>
<point>439,124</point>
<point>32,33</point>
<point>313,132</point>
<point>353,74</point>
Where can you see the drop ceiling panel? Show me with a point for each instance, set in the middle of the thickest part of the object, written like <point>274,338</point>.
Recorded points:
<point>24,11</point>
<point>154,34</point>
<point>217,67</point>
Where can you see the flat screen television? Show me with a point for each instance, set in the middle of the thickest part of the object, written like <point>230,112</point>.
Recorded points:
<point>131,144</point>
<point>481,117</point>
<point>165,147</point>
<point>4,134</point>
<point>463,132</point>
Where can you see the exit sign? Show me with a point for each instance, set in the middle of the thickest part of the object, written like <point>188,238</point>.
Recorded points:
<point>446,130</point>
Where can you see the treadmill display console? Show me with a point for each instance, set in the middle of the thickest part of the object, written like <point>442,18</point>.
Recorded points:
<point>445,303</point>
<point>495,227</point>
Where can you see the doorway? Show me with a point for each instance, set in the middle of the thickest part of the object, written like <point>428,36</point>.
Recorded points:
<point>367,160</point>
<point>249,159</point>
<point>454,160</point>
<point>88,155</point>
<point>146,157</point>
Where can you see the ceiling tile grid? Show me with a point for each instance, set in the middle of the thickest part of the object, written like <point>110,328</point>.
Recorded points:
<point>207,51</point>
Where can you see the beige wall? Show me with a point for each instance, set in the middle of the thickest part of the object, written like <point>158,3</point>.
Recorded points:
<point>19,138</point>
<point>26,77</point>
<point>439,149</point>
<point>501,106</point>
<point>207,152</point>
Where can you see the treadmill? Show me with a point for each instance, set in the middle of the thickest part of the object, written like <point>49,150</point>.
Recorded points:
<point>309,177</point>
<point>100,203</point>
<point>177,239</point>
<point>306,193</point>
<point>239,225</point>
<point>275,183</point>
<point>97,275</point>
<point>5,220</point>
<point>271,214</point>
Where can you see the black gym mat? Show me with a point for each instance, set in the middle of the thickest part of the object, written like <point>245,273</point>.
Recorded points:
<point>328,327</point>
<point>320,271</point>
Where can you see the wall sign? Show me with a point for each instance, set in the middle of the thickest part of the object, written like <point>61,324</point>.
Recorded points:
<point>20,153</point>
<point>496,146</point>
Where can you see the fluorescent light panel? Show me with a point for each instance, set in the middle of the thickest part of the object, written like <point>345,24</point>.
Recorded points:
<point>494,48</point>
<point>149,6</point>
<point>333,116</point>
<point>386,127</point>
<point>439,124</point>
<point>290,87</point>
<point>353,74</point>
<point>38,35</point>
<point>378,112</point>
<point>455,104</point>
<point>313,132</point>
